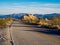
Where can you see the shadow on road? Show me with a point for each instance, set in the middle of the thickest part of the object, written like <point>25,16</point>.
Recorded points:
<point>39,29</point>
<point>46,31</point>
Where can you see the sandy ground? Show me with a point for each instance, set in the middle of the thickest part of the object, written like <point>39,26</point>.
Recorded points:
<point>4,36</point>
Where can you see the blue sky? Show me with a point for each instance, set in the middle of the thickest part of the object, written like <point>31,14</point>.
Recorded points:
<point>29,6</point>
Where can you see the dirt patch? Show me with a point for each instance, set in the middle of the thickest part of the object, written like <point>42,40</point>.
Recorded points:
<point>4,36</point>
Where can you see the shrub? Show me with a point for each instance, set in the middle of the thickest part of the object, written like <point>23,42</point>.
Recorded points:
<point>2,23</point>
<point>30,19</point>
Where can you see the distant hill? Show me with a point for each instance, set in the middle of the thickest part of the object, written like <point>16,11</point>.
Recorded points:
<point>38,15</point>
<point>51,15</point>
<point>17,16</point>
<point>20,15</point>
<point>47,15</point>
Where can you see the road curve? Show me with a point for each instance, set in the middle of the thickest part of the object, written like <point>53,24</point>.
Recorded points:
<point>25,35</point>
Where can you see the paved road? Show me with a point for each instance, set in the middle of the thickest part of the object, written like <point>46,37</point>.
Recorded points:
<point>25,35</point>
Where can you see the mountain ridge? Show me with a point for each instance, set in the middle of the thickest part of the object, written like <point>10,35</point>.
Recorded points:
<point>20,15</point>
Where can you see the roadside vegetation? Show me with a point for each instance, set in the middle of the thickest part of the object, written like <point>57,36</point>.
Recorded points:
<point>2,23</point>
<point>5,22</point>
<point>4,32</point>
<point>30,19</point>
<point>56,21</point>
<point>45,22</point>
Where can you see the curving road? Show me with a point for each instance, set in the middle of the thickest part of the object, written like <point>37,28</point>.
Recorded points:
<point>22,34</point>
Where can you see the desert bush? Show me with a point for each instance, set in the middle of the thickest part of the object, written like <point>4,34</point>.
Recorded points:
<point>8,21</point>
<point>42,22</point>
<point>2,23</point>
<point>56,21</point>
<point>47,23</point>
<point>30,19</point>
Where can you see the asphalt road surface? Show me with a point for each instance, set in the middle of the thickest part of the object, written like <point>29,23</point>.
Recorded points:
<point>22,34</point>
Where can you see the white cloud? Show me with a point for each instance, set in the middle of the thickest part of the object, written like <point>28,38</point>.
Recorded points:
<point>32,7</point>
